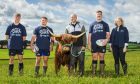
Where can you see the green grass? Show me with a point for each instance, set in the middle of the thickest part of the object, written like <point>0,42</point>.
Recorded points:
<point>133,77</point>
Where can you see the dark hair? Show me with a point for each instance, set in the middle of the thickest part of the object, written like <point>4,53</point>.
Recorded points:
<point>99,11</point>
<point>18,15</point>
<point>44,17</point>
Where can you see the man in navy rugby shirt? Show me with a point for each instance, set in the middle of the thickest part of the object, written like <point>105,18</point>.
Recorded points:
<point>16,35</point>
<point>42,38</point>
<point>98,30</point>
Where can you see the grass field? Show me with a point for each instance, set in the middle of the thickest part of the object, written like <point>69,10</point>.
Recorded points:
<point>133,77</point>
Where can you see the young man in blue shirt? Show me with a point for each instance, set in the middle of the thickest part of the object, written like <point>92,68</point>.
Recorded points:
<point>43,40</point>
<point>16,35</point>
<point>98,30</point>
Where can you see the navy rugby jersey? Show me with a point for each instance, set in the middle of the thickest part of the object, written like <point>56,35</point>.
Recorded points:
<point>15,33</point>
<point>98,31</point>
<point>43,37</point>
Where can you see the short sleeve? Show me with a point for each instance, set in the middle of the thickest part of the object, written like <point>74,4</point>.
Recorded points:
<point>107,28</point>
<point>126,35</point>
<point>35,31</point>
<point>90,28</point>
<point>24,33</point>
<point>51,30</point>
<point>8,30</point>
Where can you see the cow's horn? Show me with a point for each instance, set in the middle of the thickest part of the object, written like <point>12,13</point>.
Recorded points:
<point>54,35</point>
<point>77,36</point>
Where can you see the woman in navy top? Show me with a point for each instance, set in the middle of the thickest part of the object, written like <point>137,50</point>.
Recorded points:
<point>118,44</point>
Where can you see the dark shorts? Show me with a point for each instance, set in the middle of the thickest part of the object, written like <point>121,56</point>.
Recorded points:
<point>43,52</point>
<point>13,52</point>
<point>100,49</point>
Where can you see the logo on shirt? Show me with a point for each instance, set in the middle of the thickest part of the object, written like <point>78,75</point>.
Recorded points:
<point>98,28</point>
<point>15,32</point>
<point>122,31</point>
<point>44,33</point>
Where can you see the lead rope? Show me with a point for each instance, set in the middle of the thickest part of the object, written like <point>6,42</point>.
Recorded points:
<point>78,54</point>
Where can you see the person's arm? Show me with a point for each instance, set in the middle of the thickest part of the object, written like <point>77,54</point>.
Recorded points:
<point>107,39</point>
<point>84,38</point>
<point>7,33</point>
<point>52,41</point>
<point>89,41</point>
<point>111,37</point>
<point>126,36</point>
<point>89,37</point>
<point>107,35</point>
<point>110,40</point>
<point>24,34</point>
<point>33,39</point>
<point>24,38</point>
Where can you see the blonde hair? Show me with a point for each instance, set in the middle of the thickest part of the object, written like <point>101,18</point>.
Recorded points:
<point>119,18</point>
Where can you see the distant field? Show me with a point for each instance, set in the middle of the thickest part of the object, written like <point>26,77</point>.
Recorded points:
<point>132,57</point>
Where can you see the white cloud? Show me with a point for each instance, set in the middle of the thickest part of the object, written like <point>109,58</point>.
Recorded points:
<point>58,14</point>
<point>130,11</point>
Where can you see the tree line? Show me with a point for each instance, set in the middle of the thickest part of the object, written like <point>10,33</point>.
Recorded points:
<point>3,44</point>
<point>26,43</point>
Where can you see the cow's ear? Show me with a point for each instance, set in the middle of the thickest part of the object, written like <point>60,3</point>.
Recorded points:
<point>58,38</point>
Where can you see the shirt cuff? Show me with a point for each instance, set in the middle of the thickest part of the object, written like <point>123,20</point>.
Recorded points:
<point>126,44</point>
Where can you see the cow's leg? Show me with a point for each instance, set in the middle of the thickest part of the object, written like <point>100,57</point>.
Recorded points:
<point>76,63</point>
<point>72,64</point>
<point>68,63</point>
<point>81,63</point>
<point>57,64</point>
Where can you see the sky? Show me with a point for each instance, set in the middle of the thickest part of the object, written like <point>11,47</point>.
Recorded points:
<point>58,13</point>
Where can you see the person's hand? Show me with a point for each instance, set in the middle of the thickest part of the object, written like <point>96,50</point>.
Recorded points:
<point>32,48</point>
<point>110,48</point>
<point>89,46</point>
<point>51,48</point>
<point>83,48</point>
<point>124,49</point>
<point>105,42</point>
